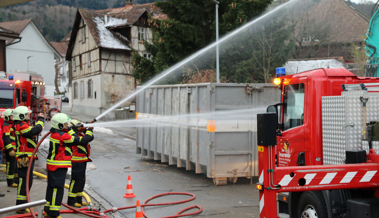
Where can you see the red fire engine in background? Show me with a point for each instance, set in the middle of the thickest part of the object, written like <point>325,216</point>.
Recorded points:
<point>317,150</point>
<point>27,89</point>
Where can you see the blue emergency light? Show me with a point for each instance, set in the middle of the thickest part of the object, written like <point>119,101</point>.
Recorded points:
<point>280,71</point>
<point>10,77</point>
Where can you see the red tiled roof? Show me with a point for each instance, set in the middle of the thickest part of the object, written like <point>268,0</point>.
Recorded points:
<point>340,21</point>
<point>61,47</point>
<point>16,26</point>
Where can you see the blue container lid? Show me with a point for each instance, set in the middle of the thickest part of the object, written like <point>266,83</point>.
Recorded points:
<point>280,71</point>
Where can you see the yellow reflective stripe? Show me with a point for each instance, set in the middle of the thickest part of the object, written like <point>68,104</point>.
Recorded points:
<point>89,133</point>
<point>12,138</point>
<point>40,123</point>
<point>54,140</point>
<point>79,194</point>
<point>19,186</point>
<point>7,133</point>
<point>68,150</point>
<point>31,142</point>
<point>26,130</point>
<point>81,147</point>
<point>79,158</point>
<point>9,146</point>
<point>28,153</point>
<point>54,197</point>
<point>70,194</point>
<point>47,204</point>
<point>53,151</point>
<point>70,141</point>
<point>59,162</point>
<point>21,197</point>
<point>71,132</point>
<point>55,208</point>
<point>10,176</point>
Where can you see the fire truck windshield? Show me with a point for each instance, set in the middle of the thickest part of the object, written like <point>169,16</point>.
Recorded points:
<point>6,98</point>
<point>293,108</point>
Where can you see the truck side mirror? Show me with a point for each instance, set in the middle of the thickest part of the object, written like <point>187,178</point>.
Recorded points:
<point>274,109</point>
<point>24,96</point>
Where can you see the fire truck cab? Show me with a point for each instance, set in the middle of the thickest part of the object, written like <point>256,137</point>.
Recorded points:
<point>20,89</point>
<point>296,167</point>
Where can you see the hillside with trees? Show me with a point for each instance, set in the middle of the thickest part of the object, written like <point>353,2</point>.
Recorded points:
<point>56,17</point>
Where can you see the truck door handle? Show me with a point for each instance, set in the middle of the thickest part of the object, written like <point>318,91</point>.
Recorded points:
<point>348,125</point>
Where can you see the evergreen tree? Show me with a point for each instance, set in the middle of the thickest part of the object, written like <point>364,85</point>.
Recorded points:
<point>190,27</point>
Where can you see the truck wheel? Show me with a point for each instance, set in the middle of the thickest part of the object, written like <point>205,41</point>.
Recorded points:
<point>312,205</point>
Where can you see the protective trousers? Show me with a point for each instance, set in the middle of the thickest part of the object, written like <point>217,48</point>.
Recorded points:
<point>54,191</point>
<point>78,180</point>
<point>21,189</point>
<point>11,170</point>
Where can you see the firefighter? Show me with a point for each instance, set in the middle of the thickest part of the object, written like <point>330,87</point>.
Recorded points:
<point>59,159</point>
<point>9,147</point>
<point>80,157</point>
<point>1,147</point>
<point>25,136</point>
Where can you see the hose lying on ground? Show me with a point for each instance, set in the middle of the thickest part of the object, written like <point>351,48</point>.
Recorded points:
<point>89,211</point>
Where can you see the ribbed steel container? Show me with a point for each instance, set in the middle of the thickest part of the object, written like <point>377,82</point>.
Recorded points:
<point>219,148</point>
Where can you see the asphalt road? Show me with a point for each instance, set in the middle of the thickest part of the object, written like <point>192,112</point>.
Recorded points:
<point>114,159</point>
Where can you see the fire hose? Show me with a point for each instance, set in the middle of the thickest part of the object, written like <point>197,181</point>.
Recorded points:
<point>89,211</point>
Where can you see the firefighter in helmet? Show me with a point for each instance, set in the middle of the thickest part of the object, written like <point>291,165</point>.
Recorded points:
<point>26,142</point>
<point>59,159</point>
<point>80,157</point>
<point>9,147</point>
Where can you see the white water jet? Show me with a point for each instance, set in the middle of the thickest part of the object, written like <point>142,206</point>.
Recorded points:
<point>196,55</point>
<point>153,120</point>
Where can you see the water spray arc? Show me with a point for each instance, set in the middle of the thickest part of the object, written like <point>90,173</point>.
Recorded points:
<point>192,57</point>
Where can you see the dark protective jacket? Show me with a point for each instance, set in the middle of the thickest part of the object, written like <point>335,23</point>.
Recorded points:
<point>81,153</point>
<point>26,136</point>
<point>1,133</point>
<point>8,136</point>
<point>60,152</point>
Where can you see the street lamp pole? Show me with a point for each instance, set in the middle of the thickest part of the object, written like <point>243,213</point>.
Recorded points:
<point>217,51</point>
<point>28,63</point>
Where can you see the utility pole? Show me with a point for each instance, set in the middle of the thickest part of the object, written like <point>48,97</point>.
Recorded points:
<point>217,50</point>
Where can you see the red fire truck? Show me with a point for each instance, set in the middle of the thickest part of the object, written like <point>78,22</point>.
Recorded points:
<point>25,89</point>
<point>317,147</point>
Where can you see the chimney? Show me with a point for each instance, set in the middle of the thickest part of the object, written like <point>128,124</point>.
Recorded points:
<point>129,3</point>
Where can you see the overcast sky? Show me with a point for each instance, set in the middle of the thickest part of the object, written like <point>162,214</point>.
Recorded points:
<point>360,1</point>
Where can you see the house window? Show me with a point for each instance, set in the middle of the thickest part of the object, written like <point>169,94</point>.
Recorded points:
<point>307,39</point>
<point>84,34</point>
<point>80,61</point>
<point>141,34</point>
<point>81,90</point>
<point>75,90</point>
<point>90,87</point>
<point>73,64</point>
<point>89,59</point>
<point>147,56</point>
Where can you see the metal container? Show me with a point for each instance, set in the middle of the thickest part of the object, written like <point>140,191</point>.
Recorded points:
<point>221,148</point>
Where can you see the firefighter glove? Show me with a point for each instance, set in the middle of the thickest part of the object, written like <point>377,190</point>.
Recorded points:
<point>11,153</point>
<point>22,161</point>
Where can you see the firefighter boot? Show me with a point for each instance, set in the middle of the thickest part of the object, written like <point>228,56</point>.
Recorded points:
<point>24,211</point>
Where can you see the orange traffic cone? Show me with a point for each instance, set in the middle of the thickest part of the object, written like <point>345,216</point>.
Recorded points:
<point>139,213</point>
<point>129,189</point>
